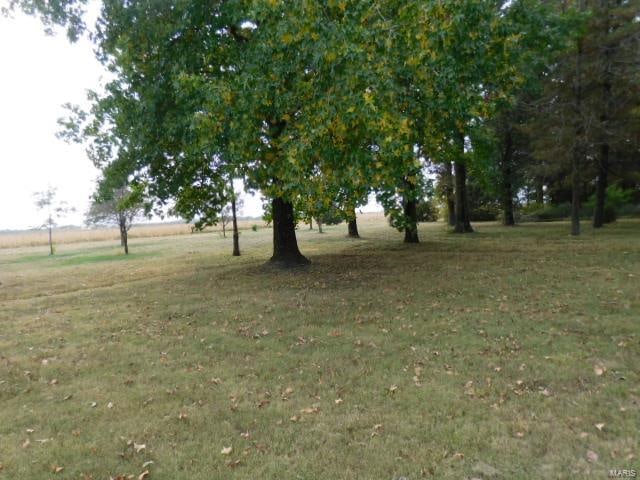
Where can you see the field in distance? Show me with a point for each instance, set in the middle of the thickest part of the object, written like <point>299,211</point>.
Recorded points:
<point>33,238</point>
<point>509,353</point>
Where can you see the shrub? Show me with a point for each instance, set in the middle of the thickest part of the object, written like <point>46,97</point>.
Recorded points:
<point>617,199</point>
<point>427,211</point>
<point>484,213</point>
<point>629,210</point>
<point>545,213</point>
<point>254,227</point>
<point>332,216</point>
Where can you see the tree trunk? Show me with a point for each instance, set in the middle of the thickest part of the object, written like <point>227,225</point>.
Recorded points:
<point>236,234</point>
<point>319,223</point>
<point>353,229</point>
<point>448,190</point>
<point>576,157</point>
<point>224,228</point>
<point>410,205</point>
<point>463,224</point>
<point>507,187</point>
<point>285,244</point>
<point>411,229</point>
<point>575,194</point>
<point>352,224</point>
<point>311,223</point>
<point>607,105</point>
<point>50,237</point>
<point>601,187</point>
<point>539,191</point>
<point>124,237</point>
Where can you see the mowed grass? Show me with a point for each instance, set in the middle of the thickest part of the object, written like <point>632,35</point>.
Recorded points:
<point>508,354</point>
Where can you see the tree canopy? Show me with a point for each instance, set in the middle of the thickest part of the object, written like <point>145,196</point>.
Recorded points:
<point>316,104</point>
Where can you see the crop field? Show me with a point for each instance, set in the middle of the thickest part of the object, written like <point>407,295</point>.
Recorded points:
<point>35,238</point>
<point>503,354</point>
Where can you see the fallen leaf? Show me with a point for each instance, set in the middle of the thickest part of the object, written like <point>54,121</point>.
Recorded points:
<point>26,443</point>
<point>146,464</point>
<point>338,401</point>
<point>599,426</point>
<point>295,418</point>
<point>138,447</point>
<point>233,463</point>
<point>393,388</point>
<point>110,405</point>
<point>56,468</point>
<point>310,410</point>
<point>30,430</point>
<point>599,370</point>
<point>143,475</point>
<point>226,450</point>
<point>93,404</point>
<point>592,456</point>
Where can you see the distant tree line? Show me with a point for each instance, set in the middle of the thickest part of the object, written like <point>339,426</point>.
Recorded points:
<point>509,104</point>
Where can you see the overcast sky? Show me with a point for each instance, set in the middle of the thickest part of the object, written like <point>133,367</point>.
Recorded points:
<point>38,74</point>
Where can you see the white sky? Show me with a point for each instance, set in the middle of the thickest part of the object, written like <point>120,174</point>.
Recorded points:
<point>38,74</point>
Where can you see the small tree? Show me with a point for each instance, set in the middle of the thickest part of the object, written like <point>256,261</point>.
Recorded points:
<point>120,206</point>
<point>46,200</point>
<point>226,215</point>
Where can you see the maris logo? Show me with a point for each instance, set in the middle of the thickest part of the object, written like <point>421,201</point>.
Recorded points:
<point>615,473</point>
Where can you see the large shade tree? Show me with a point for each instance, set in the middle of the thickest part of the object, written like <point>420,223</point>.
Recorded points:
<point>280,93</point>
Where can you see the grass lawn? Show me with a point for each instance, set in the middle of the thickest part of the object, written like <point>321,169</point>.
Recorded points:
<point>506,354</point>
